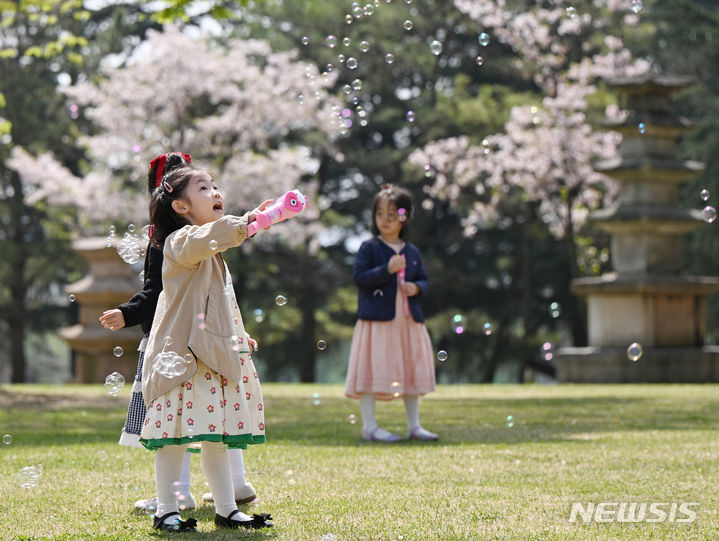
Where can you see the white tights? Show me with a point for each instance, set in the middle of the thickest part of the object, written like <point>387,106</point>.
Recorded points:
<point>369,422</point>
<point>237,466</point>
<point>216,466</point>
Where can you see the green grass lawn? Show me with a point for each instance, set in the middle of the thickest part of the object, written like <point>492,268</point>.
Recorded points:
<point>483,480</point>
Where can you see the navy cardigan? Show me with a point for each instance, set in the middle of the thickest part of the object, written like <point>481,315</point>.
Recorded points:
<point>140,309</point>
<point>378,287</point>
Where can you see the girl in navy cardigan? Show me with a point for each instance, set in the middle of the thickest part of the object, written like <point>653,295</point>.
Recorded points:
<point>391,354</point>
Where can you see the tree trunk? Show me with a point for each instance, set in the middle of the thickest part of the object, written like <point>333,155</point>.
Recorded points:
<point>307,340</point>
<point>578,325</point>
<point>17,317</point>
<point>307,298</point>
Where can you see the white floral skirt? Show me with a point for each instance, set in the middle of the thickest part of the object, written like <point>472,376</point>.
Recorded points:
<point>207,407</point>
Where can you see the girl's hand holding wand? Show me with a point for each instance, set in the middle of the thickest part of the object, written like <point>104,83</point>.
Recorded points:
<point>409,288</point>
<point>396,263</point>
<point>253,213</point>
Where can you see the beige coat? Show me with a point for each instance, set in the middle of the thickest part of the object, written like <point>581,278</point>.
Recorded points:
<point>193,279</point>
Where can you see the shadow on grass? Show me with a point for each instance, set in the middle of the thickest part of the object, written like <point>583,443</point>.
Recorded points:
<point>532,419</point>
<point>458,421</point>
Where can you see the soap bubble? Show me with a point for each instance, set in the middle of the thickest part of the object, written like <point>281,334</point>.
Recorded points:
<point>212,245</point>
<point>331,41</point>
<point>483,39</point>
<point>113,383</point>
<point>408,25</point>
<point>280,300</point>
<point>352,419</point>
<point>351,63</point>
<point>441,355</point>
<point>458,323</point>
<point>411,117</point>
<point>642,128</point>
<point>129,249</point>
<point>259,315</point>
<point>709,214</point>
<point>117,352</point>
<point>635,351</point>
<point>71,298</point>
<point>29,476</point>
<point>704,194</point>
<point>364,46</point>
<point>509,421</point>
<point>321,345</point>
<point>305,40</point>
<point>201,321</point>
<point>102,455</point>
<point>389,58</point>
<point>637,5</point>
<point>487,329</point>
<point>169,364</point>
<point>368,9</point>
<point>7,439</point>
<point>571,12</point>
<point>357,84</point>
<point>131,228</point>
<point>435,47</point>
<point>480,60</point>
<point>555,310</point>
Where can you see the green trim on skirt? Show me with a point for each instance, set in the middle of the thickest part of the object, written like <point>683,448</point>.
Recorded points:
<point>232,442</point>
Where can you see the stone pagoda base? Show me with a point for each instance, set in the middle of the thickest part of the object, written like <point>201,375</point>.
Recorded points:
<point>656,365</point>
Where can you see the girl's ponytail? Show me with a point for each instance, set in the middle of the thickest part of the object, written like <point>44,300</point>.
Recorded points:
<point>161,165</point>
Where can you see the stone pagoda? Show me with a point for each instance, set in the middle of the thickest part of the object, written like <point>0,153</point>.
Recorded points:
<point>109,283</point>
<point>647,299</point>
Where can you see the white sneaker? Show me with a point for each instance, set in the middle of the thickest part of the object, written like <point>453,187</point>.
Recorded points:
<point>186,502</point>
<point>149,506</point>
<point>145,507</point>
<point>419,433</point>
<point>379,434</point>
<point>244,495</point>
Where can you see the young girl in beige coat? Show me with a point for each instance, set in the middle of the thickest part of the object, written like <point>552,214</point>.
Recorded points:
<point>198,381</point>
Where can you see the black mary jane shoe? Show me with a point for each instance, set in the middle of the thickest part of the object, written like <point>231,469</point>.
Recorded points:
<point>178,526</point>
<point>256,522</point>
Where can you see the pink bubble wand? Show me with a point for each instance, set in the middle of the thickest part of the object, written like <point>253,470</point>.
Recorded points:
<point>285,207</point>
<point>401,274</point>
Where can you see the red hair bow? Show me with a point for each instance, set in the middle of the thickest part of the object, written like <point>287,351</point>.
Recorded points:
<point>160,162</point>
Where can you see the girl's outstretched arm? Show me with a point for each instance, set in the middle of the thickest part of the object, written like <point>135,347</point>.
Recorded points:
<point>194,243</point>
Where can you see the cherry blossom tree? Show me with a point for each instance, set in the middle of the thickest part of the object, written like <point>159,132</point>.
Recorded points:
<point>260,120</point>
<point>233,105</point>
<point>539,167</point>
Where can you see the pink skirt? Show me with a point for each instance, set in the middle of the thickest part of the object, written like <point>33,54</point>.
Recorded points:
<point>390,358</point>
